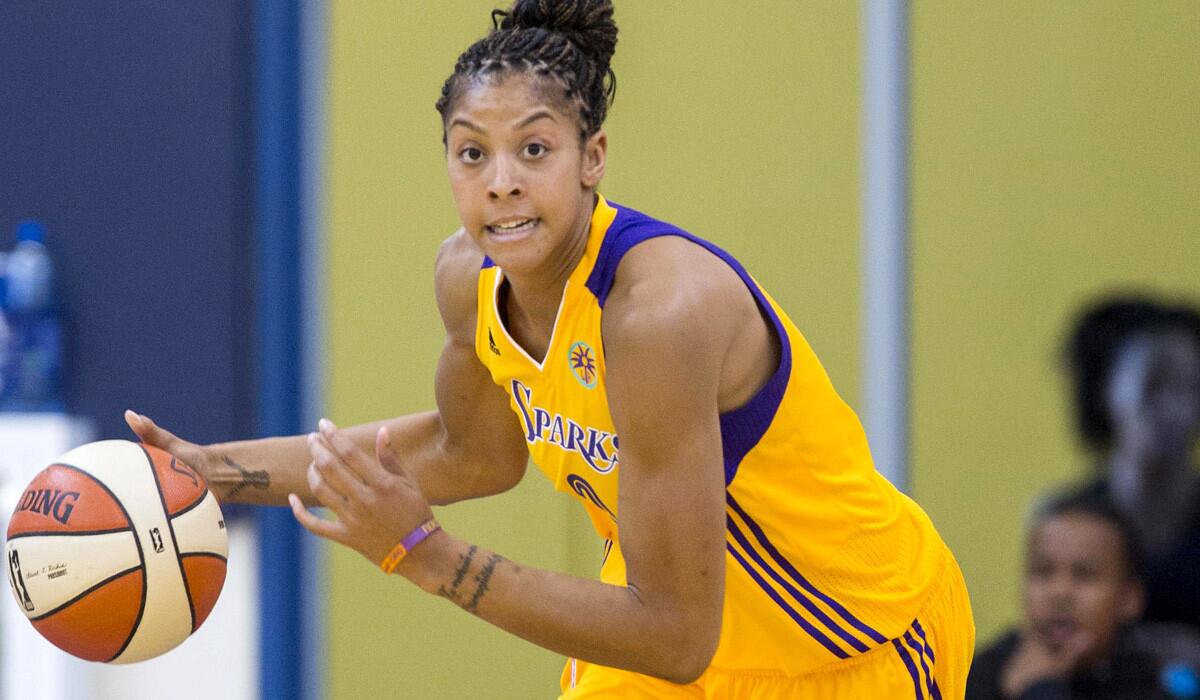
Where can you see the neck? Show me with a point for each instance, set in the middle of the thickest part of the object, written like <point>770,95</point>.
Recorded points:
<point>1150,475</point>
<point>536,295</point>
<point>1158,499</point>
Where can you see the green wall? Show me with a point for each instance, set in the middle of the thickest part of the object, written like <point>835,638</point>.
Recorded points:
<point>741,126</point>
<point>1056,155</point>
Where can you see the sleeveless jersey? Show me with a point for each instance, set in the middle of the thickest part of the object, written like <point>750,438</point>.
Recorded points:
<point>825,559</point>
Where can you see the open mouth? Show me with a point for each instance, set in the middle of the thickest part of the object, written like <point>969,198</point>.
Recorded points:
<point>512,227</point>
<point>1058,632</point>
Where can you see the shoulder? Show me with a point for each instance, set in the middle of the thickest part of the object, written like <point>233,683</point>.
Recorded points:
<point>670,288</point>
<point>456,271</point>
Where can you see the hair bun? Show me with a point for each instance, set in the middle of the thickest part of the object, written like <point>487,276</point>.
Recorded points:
<point>587,23</point>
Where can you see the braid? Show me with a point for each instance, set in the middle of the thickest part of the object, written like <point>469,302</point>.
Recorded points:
<point>569,42</point>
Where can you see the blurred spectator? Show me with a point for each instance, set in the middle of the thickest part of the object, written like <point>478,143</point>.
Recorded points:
<point>1082,594</point>
<point>1136,366</point>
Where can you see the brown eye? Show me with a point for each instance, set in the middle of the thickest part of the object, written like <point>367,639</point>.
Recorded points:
<point>534,150</point>
<point>470,155</point>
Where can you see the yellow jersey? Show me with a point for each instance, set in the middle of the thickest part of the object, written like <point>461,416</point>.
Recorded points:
<point>825,560</point>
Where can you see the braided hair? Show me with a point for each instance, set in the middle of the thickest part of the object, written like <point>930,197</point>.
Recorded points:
<point>569,42</point>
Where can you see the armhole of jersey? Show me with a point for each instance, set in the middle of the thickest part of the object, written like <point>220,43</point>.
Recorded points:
<point>743,427</point>
<point>482,314</point>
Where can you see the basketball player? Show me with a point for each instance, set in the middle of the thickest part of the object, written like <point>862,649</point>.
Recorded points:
<point>752,550</point>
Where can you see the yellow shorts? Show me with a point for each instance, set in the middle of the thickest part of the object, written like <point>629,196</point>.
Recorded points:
<point>929,661</point>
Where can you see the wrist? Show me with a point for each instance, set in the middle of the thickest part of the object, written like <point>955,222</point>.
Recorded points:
<point>422,564</point>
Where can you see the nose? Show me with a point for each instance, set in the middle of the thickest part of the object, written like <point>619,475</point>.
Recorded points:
<point>504,182</point>
<point>1061,593</point>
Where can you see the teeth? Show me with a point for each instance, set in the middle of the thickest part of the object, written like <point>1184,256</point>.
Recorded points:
<point>516,224</point>
<point>507,228</point>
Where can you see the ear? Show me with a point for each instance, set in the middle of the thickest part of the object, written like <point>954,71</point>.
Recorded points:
<point>1133,603</point>
<point>595,152</point>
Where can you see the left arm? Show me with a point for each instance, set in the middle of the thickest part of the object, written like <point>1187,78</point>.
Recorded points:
<point>665,345</point>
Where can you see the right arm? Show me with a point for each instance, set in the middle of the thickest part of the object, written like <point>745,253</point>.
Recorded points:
<point>470,447</point>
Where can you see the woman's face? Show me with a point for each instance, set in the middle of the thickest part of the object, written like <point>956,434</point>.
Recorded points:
<point>521,179</point>
<point>1154,397</point>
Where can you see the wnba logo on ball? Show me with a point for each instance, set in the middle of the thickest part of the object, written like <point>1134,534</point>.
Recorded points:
<point>583,363</point>
<point>50,502</point>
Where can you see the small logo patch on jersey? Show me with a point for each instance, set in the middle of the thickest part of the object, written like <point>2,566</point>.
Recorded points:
<point>583,364</point>
<point>492,343</point>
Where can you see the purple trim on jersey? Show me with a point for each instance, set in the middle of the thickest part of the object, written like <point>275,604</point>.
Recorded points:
<point>796,595</point>
<point>930,683</point>
<point>487,262</point>
<point>799,579</point>
<point>912,669</point>
<point>804,624</point>
<point>928,647</point>
<point>741,428</point>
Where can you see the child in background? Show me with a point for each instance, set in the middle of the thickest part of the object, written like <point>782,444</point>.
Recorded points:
<point>1082,594</point>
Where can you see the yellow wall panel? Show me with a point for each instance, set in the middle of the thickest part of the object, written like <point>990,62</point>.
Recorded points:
<point>1055,156</point>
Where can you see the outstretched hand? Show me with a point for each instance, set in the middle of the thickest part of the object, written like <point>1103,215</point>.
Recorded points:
<point>195,456</point>
<point>376,500</point>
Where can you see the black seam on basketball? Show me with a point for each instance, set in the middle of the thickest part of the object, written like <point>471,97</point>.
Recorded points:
<point>212,555</point>
<point>191,506</point>
<point>137,621</point>
<point>69,533</point>
<point>82,595</point>
<point>102,485</point>
<point>136,540</point>
<point>162,498</point>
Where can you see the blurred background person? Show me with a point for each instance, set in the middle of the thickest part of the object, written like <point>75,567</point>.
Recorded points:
<point>1082,593</point>
<point>1135,362</point>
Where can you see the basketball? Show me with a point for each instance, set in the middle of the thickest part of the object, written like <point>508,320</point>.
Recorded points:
<point>117,552</point>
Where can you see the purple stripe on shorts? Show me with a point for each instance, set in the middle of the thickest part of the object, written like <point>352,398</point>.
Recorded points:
<point>912,668</point>
<point>930,683</point>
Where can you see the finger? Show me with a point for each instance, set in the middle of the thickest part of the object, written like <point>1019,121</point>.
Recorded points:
<point>1076,647</point>
<point>331,530</point>
<point>335,472</point>
<point>327,465</point>
<point>359,463</point>
<point>137,424</point>
<point>327,495</point>
<point>148,432</point>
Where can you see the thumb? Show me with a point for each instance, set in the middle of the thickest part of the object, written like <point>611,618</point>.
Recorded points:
<point>387,454</point>
<point>1076,648</point>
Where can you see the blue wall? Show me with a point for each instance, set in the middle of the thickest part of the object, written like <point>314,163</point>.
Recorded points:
<point>127,128</point>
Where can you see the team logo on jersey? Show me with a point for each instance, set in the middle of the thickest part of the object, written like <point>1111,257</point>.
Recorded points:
<point>583,364</point>
<point>492,343</point>
<point>599,448</point>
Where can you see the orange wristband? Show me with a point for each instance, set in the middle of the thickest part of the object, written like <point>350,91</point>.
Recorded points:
<point>404,546</point>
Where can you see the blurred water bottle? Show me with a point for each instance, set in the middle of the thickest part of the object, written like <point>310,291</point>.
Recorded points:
<point>32,363</point>
<point>1181,681</point>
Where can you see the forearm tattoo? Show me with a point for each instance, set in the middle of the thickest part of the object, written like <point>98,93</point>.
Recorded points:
<point>464,596</point>
<point>256,479</point>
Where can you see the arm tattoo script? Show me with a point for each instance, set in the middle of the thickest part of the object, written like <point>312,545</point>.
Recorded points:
<point>482,579</point>
<point>460,573</point>
<point>256,479</point>
<point>466,599</point>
